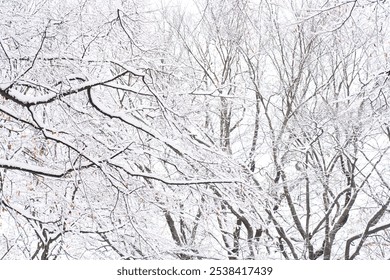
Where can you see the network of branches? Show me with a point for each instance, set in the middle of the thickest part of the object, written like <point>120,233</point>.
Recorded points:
<point>214,129</point>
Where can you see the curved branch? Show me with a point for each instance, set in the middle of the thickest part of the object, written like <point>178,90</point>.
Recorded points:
<point>362,235</point>
<point>29,100</point>
<point>11,164</point>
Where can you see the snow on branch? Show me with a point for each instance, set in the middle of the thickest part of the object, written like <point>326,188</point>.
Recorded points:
<point>136,123</point>
<point>28,100</point>
<point>10,164</point>
<point>128,68</point>
<point>168,181</point>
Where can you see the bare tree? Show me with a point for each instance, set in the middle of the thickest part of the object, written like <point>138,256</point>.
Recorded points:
<point>237,129</point>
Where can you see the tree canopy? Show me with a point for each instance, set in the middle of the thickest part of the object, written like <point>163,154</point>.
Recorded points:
<point>216,129</point>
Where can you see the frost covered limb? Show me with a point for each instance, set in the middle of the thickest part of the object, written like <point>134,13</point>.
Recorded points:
<point>10,164</point>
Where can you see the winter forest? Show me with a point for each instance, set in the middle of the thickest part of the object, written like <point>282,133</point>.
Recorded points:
<point>207,129</point>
